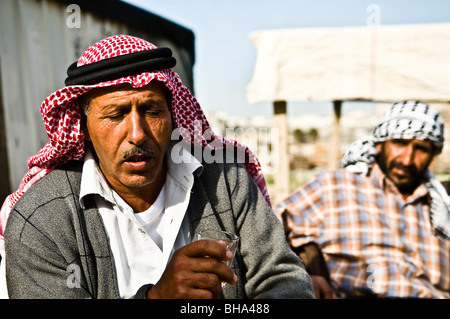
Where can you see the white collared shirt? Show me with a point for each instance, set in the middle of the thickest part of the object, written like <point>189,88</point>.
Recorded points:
<point>142,244</point>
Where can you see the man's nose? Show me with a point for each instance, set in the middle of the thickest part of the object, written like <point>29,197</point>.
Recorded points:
<point>137,132</point>
<point>407,155</point>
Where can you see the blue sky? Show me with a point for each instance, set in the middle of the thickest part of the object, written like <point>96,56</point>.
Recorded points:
<point>225,56</point>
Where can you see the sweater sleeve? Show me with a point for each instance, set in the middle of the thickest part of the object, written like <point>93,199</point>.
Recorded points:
<point>302,212</point>
<point>54,249</point>
<point>36,267</point>
<point>272,269</point>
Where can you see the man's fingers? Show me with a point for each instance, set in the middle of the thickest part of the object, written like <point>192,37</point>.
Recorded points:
<point>203,248</point>
<point>208,256</point>
<point>322,289</point>
<point>215,267</point>
<point>195,271</point>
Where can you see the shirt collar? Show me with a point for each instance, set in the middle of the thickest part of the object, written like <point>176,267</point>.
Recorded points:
<point>93,181</point>
<point>182,166</point>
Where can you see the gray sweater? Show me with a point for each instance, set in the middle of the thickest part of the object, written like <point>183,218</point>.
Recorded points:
<point>55,249</point>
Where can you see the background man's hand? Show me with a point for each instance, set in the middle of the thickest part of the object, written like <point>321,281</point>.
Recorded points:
<point>322,290</point>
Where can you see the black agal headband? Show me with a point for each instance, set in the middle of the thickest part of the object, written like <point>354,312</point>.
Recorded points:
<point>120,66</point>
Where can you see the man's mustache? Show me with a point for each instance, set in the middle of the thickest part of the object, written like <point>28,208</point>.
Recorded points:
<point>138,150</point>
<point>412,170</point>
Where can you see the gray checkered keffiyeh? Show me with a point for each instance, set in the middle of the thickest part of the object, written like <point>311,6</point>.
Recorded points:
<point>407,120</point>
<point>411,120</point>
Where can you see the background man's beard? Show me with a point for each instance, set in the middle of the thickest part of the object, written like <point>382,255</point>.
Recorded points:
<point>408,187</point>
<point>405,187</point>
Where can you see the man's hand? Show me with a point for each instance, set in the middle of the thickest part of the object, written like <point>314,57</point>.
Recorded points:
<point>195,271</point>
<point>322,290</point>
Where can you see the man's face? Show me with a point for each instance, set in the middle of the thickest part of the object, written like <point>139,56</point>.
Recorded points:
<point>405,161</point>
<point>130,131</point>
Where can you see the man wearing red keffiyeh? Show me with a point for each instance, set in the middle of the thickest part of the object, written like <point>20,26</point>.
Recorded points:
<point>109,207</point>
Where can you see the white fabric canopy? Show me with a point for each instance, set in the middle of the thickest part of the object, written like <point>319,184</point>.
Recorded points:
<point>380,63</point>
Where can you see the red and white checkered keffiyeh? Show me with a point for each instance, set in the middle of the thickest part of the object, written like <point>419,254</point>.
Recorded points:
<point>61,116</point>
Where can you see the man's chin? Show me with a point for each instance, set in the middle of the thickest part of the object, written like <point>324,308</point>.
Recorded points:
<point>137,182</point>
<point>406,187</point>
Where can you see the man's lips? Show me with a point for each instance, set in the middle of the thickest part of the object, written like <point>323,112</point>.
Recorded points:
<point>401,172</point>
<point>138,158</point>
<point>138,162</point>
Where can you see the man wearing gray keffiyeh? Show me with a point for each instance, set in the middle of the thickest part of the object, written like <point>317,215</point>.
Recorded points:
<point>380,226</point>
<point>405,121</point>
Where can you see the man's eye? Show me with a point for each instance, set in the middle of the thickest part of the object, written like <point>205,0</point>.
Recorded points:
<point>424,148</point>
<point>400,142</point>
<point>114,116</point>
<point>153,112</point>
<point>152,109</point>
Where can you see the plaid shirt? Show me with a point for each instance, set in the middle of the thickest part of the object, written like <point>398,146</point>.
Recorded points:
<point>373,240</point>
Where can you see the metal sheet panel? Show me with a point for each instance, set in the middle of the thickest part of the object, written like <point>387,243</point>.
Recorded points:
<point>38,41</point>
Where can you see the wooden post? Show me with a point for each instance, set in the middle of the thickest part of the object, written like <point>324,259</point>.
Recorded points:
<point>335,139</point>
<point>445,155</point>
<point>281,176</point>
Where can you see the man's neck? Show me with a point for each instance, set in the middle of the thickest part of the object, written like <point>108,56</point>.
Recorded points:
<point>140,199</point>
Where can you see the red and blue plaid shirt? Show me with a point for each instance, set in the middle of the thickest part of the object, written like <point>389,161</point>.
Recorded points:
<point>373,240</point>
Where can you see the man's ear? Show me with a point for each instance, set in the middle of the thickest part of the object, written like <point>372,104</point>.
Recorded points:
<point>86,135</point>
<point>84,128</point>
<point>378,148</point>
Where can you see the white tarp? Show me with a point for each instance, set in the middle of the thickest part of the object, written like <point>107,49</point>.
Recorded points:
<point>381,63</point>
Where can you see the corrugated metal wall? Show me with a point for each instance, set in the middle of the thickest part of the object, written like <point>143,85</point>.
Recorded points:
<point>38,41</point>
